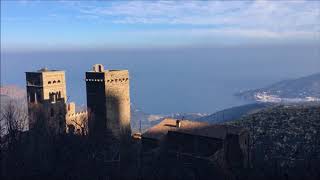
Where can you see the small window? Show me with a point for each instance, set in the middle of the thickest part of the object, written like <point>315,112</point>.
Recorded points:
<point>51,112</point>
<point>58,81</point>
<point>53,82</point>
<point>49,82</point>
<point>71,128</point>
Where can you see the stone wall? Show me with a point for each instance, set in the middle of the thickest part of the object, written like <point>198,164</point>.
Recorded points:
<point>76,120</point>
<point>118,102</point>
<point>108,101</point>
<point>193,144</point>
<point>96,102</point>
<point>46,96</point>
<point>54,85</point>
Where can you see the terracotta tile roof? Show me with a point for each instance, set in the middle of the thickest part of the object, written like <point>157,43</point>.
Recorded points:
<point>191,127</point>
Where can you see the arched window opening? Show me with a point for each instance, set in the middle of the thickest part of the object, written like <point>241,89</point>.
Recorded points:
<point>35,98</point>
<point>49,82</point>
<point>52,97</point>
<point>58,81</point>
<point>53,82</point>
<point>32,98</point>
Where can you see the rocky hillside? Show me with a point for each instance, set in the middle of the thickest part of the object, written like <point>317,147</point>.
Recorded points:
<point>295,90</point>
<point>234,113</point>
<point>12,92</point>
<point>286,133</point>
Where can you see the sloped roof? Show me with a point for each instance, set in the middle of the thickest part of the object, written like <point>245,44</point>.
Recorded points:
<point>191,127</point>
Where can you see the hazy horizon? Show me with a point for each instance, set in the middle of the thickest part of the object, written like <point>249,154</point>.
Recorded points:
<point>201,79</point>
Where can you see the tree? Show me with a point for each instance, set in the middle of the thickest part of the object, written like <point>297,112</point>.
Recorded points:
<point>13,116</point>
<point>14,119</point>
<point>82,122</point>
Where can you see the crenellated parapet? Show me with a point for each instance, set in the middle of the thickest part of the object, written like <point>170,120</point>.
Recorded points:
<point>77,114</point>
<point>76,122</point>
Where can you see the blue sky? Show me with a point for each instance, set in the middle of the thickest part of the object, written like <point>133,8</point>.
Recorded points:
<point>142,24</point>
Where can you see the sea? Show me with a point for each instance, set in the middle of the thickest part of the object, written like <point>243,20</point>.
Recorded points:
<point>175,79</point>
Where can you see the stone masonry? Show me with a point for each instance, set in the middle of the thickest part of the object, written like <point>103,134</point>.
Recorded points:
<point>108,101</point>
<point>46,92</point>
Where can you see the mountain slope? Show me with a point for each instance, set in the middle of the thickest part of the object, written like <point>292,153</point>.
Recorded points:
<point>234,113</point>
<point>289,133</point>
<point>295,90</point>
<point>11,92</point>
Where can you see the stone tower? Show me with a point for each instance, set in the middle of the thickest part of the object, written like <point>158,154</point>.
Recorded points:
<point>46,96</point>
<point>108,101</point>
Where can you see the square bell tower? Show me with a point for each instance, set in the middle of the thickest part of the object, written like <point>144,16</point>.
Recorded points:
<point>46,96</point>
<point>108,101</point>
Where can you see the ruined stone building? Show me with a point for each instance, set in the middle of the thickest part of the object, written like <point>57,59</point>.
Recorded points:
<point>108,101</point>
<point>77,122</point>
<point>47,97</point>
<point>229,145</point>
<point>46,92</point>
